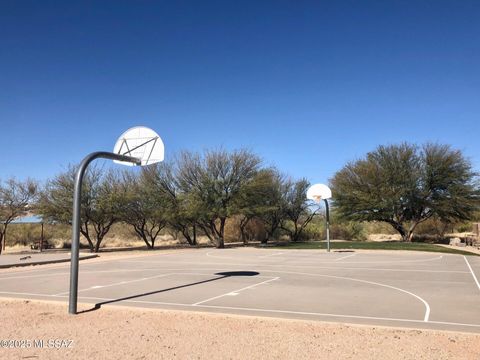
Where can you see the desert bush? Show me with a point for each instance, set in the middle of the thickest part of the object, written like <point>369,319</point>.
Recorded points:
<point>376,227</point>
<point>463,227</point>
<point>25,234</point>
<point>350,230</point>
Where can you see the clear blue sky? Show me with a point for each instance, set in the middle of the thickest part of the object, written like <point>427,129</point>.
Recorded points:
<point>306,85</point>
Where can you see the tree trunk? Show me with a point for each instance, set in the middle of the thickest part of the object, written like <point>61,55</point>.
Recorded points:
<point>100,236</point>
<point>90,243</point>
<point>217,233</point>
<point>209,232</point>
<point>3,238</point>
<point>140,230</point>
<point>264,241</point>
<point>194,234</point>
<point>221,234</point>
<point>86,235</point>
<point>243,235</point>
<point>145,240</point>
<point>191,241</point>
<point>411,230</point>
<point>399,228</point>
<point>243,224</point>
<point>97,245</point>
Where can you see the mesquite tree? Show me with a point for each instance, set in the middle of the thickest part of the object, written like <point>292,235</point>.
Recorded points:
<point>99,203</point>
<point>297,212</point>
<point>404,185</point>
<point>212,182</point>
<point>140,205</point>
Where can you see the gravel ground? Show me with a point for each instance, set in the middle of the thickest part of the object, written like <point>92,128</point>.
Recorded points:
<point>114,332</point>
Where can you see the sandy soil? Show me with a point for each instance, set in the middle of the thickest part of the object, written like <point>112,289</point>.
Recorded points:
<point>125,333</point>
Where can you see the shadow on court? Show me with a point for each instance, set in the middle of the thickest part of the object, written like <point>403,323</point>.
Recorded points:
<point>220,276</point>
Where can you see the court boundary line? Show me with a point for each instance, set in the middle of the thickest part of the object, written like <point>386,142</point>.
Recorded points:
<point>425,303</point>
<point>267,268</point>
<point>256,310</point>
<point>439,257</point>
<point>87,271</point>
<point>285,265</point>
<point>472,272</point>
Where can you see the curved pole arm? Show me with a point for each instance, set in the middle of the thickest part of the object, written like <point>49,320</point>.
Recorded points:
<point>77,195</point>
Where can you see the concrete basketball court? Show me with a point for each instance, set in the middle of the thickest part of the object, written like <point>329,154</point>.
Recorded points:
<point>404,289</point>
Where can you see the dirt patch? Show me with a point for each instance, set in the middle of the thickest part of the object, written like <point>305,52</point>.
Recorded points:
<point>119,333</point>
<point>384,237</point>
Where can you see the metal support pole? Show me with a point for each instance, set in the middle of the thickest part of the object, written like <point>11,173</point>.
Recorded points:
<point>327,223</point>
<point>77,195</point>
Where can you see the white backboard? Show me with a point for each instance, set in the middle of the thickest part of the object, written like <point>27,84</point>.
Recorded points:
<point>319,192</point>
<point>142,143</point>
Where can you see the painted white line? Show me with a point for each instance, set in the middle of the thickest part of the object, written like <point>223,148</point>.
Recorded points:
<point>103,299</point>
<point>258,310</point>
<point>427,307</point>
<point>115,284</point>
<point>285,312</point>
<point>98,260</point>
<point>317,262</point>
<point>473,274</point>
<point>131,270</point>
<point>269,255</point>
<point>209,254</point>
<point>143,279</point>
<point>335,315</point>
<point>252,265</point>
<point>302,266</point>
<point>203,274</point>
<point>32,276</point>
<point>23,271</point>
<point>398,261</point>
<point>344,257</point>
<point>236,291</point>
<point>38,268</point>
<point>355,262</point>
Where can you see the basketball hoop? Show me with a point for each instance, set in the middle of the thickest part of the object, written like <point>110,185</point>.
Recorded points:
<point>142,143</point>
<point>136,146</point>
<point>318,192</point>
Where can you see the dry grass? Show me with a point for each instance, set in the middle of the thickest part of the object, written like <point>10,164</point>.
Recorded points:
<point>384,237</point>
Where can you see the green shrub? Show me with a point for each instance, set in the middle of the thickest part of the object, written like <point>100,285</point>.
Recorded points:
<point>350,230</point>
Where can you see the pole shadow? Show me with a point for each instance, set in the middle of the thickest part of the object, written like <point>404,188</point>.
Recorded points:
<point>220,276</point>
